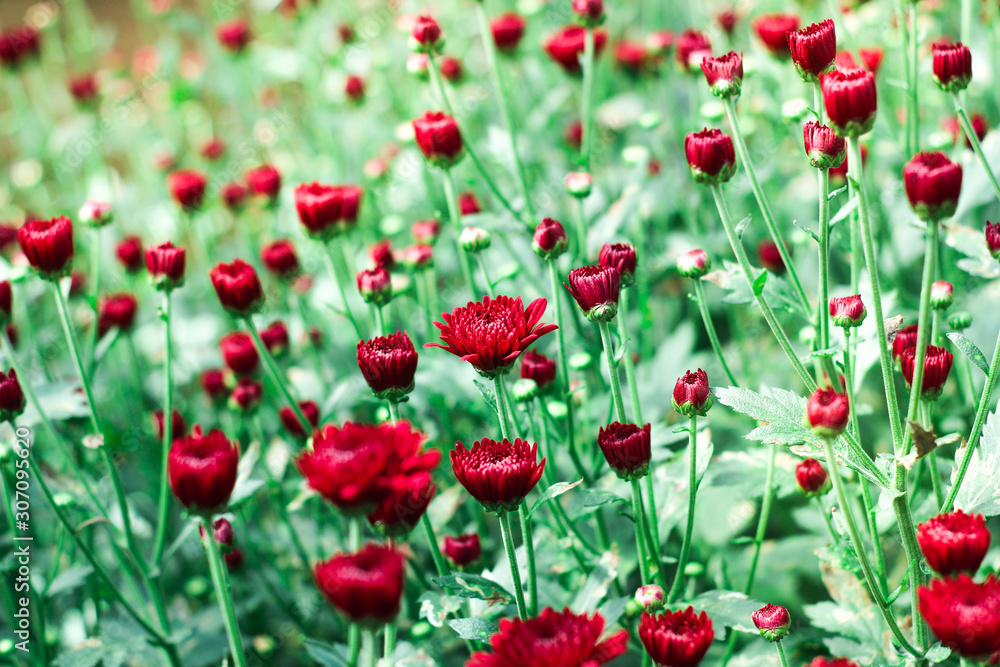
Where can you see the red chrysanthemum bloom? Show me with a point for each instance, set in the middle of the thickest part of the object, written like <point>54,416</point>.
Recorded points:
<point>676,638</point>
<point>552,639</point>
<point>165,264</point>
<point>275,338</point>
<point>871,58</point>
<point>291,421</point>
<point>327,210</point>
<point>774,30</point>
<point>964,615</point>
<point>233,35</point>
<point>129,254</point>
<point>813,49</point>
<point>451,69</point>
<point>635,59</point>
<point>851,102</point>
<point>498,474</point>
<point>426,37</point>
<point>622,257</point>
<point>905,338</point>
<point>279,257</point>
<point>507,30</point>
<point>388,364</point>
<point>566,47</point>
<point>408,499</point>
<point>178,425</point>
<point>491,334</point>
<point>48,246</point>
<point>710,155</point>
<point>692,395</point>
<point>468,203</point>
<point>847,311</point>
<point>596,290</point>
<point>11,396</point>
<point>955,542</point>
<point>18,44</point>
<point>116,311</point>
<point>366,586</point>
<point>202,468</point>
<point>724,74</point>
<point>824,148</point>
<point>832,662</point>
<point>692,47</point>
<point>538,367</point>
<point>238,287</point>
<point>439,139</point>
<point>84,88</point>
<point>626,448</point>
<point>812,478</point>
<point>952,66</point>
<point>937,365</point>
<point>234,195</point>
<point>187,187</point>
<point>827,413</point>
<point>933,184</point>
<point>462,550</point>
<point>264,181</point>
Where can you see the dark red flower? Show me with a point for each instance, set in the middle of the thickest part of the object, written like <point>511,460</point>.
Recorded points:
<point>823,147</point>
<point>964,615</point>
<point>538,367</point>
<point>850,101</point>
<point>202,470</point>
<point>118,311</point>
<point>18,44</point>
<point>235,559</point>
<point>933,184</point>
<point>212,149</point>
<point>491,334</point>
<point>213,383</point>
<point>937,365</point>
<point>354,88</point>
<point>6,302</point>
<point>426,35</point>
<point>635,59</point>
<point>952,66</point>
<point>187,187</point>
<point>48,246</point>
<point>549,240</point>
<point>264,181</point>
<point>246,396</point>
<point>77,284</point>
<point>468,203</point>
<point>426,231</point>
<point>239,353</point>
<point>375,285</point>
<point>814,49</point>
<point>827,412</point>
<point>770,257</point>
<point>497,474</point>
<point>621,256</point>
<point>418,256</point>
<point>279,257</point>
<point>451,69</point>
<point>507,30</point>
<point>408,499</point>
<point>234,195</point>
<point>439,139</point>
<point>848,311</point>
<point>596,290</point>
<point>233,35</point>
<point>84,88</point>
<point>388,364</point>
<point>812,478</point>
<point>178,425</point>
<point>463,550</point>
<point>238,287</point>
<point>11,396</point>
<point>319,208</point>
<point>905,338</point>
<point>694,264</point>
<point>871,58</point>
<point>955,542</point>
<point>724,74</point>
<point>626,448</point>
<point>573,135</point>
<point>291,421</point>
<point>676,638</point>
<point>366,586</point>
<point>692,47</point>
<point>275,338</point>
<point>772,621</point>
<point>692,395</point>
<point>129,253</point>
<point>711,156</point>
<point>832,662</point>
<point>165,264</point>
<point>222,532</point>
<point>12,335</point>
<point>552,639</point>
<point>774,30</point>
<point>566,47</point>
<point>381,253</point>
<point>588,13</point>
<point>992,232</point>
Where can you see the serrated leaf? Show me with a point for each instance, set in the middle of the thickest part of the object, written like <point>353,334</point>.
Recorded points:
<point>474,629</point>
<point>969,349</point>
<point>69,580</point>
<point>553,491</point>
<point>758,284</point>
<point>474,587</point>
<point>980,492</point>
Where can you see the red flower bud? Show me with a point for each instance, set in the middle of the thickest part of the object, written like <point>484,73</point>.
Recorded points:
<point>538,367</point>
<point>419,256</point>
<point>354,88</point>
<point>264,181</point>
<point>178,425</point>
<point>993,239</point>
<point>676,638</point>
<point>827,413</point>
<point>381,254</point>
<point>439,139</point>
<point>871,58</point>
<point>48,246</point>
<point>222,532</point>
<point>692,395</point>
<point>468,203</point>
<point>550,239</point>
<point>839,174</point>
<point>566,47</point>
<point>238,287</point>
<point>426,35</point>
<point>933,183</point>
<point>710,156</point>
<point>451,69</point>
<point>212,149</point>
<point>18,45</point>
<point>635,59</point>
<point>692,47</point>
<point>279,257</point>
<point>905,338</point>
<point>724,74</point>
<point>814,49</point>
<point>770,257</point>
<point>507,30</point>
<point>497,474</point>
<point>774,31</point>
<point>573,136</point>
<point>84,88</point>
<point>275,338</point>
<point>213,383</point>
<point>291,421</point>
<point>773,622</point>
<point>694,264</point>
<point>952,66</point>
<point>366,586</point>
<point>234,195</point>
<point>327,210</point>
<point>165,264</point>
<point>596,290</point>
<point>11,396</point>
<point>588,13</point>
<point>233,35</point>
<point>235,559</point>
<point>850,101</point>
<point>823,147</point>
<point>942,295</point>
<point>129,254</point>
<point>118,311</point>
<point>832,662</point>
<point>626,448</point>
<point>812,478</point>
<point>246,396</point>
<point>848,311</point>
<point>463,550</point>
<point>426,231</point>
<point>937,365</point>
<point>187,187</point>
<point>375,286</point>
<point>239,353</point>
<point>727,19</point>
<point>955,542</point>
<point>964,615</point>
<point>201,469</point>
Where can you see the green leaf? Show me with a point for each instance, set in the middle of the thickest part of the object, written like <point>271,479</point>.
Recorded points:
<point>325,654</point>
<point>553,491</point>
<point>596,587</point>
<point>474,587</point>
<point>69,580</point>
<point>742,225</point>
<point>980,492</point>
<point>969,349</point>
<point>806,230</point>
<point>488,395</point>
<point>598,497</point>
<point>836,193</point>
<point>729,609</point>
<point>844,211</point>
<point>244,491</point>
<point>474,629</point>
<point>937,653</point>
<point>758,284</point>
<point>435,607</point>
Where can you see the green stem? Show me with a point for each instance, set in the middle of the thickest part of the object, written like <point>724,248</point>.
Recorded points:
<point>633,387</point>
<point>762,203</point>
<point>95,263</point>
<point>609,356</point>
<point>486,275</point>
<point>639,515</point>
<point>564,372</point>
<point>168,422</point>
<point>530,551</point>
<point>581,231</point>
<point>678,584</point>
<point>498,389</point>
<point>923,330</point>
<point>588,94</point>
<point>826,519</point>
<point>706,318</point>
<point>822,309</point>
<point>913,84</point>
<point>765,514</point>
<point>373,643</point>
<point>456,219</point>
<point>280,500</point>
<point>781,654</point>
<point>515,574</point>
<point>276,375</point>
<point>353,630</point>
<point>338,272</point>
<point>440,564</point>
<point>970,134</point>
<point>379,320</point>
<point>220,581</point>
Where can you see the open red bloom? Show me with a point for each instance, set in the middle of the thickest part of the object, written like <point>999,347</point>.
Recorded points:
<point>202,469</point>
<point>851,102</point>
<point>952,66</point>
<point>566,46</point>
<point>937,366</point>
<point>596,290</point>
<point>507,30</point>
<point>462,550</point>
<point>497,474</point>
<point>48,246</point>
<point>233,35</point>
<point>538,367</point>
<point>905,338</point>
<point>724,74</point>
<point>366,586</point>
<point>676,638</point>
<point>933,184</point>
<point>238,287</point>
<point>439,139</point>
<point>491,334</point>
<point>279,257</point>
<point>264,181</point>
<point>118,311</point>
<point>692,47</point>
<point>827,413</point>
<point>408,499</point>
<point>626,448</point>
<point>291,421</point>
<point>552,639</point>
<point>388,364</point>
<point>955,542</point>
<point>11,396</point>
<point>357,466</point>
<point>964,615</point>
<point>187,187</point>
<point>319,208</point>
<point>814,49</point>
<point>711,156</point>
<point>774,31</point>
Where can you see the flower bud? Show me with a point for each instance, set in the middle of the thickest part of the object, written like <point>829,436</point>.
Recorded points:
<point>692,47</point>
<point>851,102</point>
<point>692,395</point>
<point>178,425</point>
<point>222,532</point>
<point>6,302</point>
<point>627,449</point>
<point>468,203</point>
<point>48,246</point>
<point>589,13</point>
<point>418,256</point>
<point>279,258</point>
<point>847,312</point>
<point>770,257</point>
<point>812,478</point>
<point>239,353</point>
<point>238,287</point>
<point>774,31</point>
<point>265,182</point>
<point>952,66</point>
<point>550,239</point>
<point>596,290</point>
<point>201,469</point>
<point>710,156</point>
<point>566,46</point>
<point>694,264</point>
<point>246,396</point>
<point>451,69</point>
<point>942,295</point>
<point>234,195</point>
<point>507,30</point>
<point>11,396</point>
<point>233,35</point>
<point>827,413</point>
<point>773,622</point>
<point>426,36</point>
<point>187,187</point>
<point>727,19</point>
<point>993,239</point>
<point>538,368</point>
<point>375,286</point>
<point>96,213</point>
<point>960,320</point>
<point>579,184</point>
<point>439,139</point>
<point>291,422</point>
<point>416,65</point>
<point>463,550</point>
<point>426,231</point>
<point>937,366</point>
<point>524,390</point>
<point>650,598</point>
<point>933,184</point>
<point>622,257</point>
<point>724,74</point>
<point>165,264</point>
<point>474,239</point>
<point>823,147</point>
<point>129,253</point>
<point>814,49</point>
<point>212,149</point>
<point>354,88</point>
<point>275,338</point>
<point>116,311</point>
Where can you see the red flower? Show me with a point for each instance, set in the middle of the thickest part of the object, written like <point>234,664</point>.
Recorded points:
<point>439,139</point>
<point>905,338</point>
<point>596,290</point>
<point>129,253</point>
<point>279,257</point>
<point>937,365</point>
<point>491,334</point>
<point>774,31</point>
<point>233,35</point>
<point>635,59</point>
<point>727,19</point>
<point>291,421</point>
<point>213,383</point>
<point>814,49</point>
<point>692,47</point>
<point>451,69</point>
<point>463,550</point>
<point>354,88</point>
<point>823,147</point>
<point>117,310</point>
<point>832,662</point>
<point>426,35</point>
<point>827,413</point>
<point>408,499</point>
<point>964,615</point>
<point>871,58</point>
<point>770,257</point>
<point>275,338</point>
<point>772,621</point>
<point>178,425</point>
<point>710,156</point>
<point>187,187</point>
<point>165,264</point>
<point>942,295</point>
<point>238,287</point>
<point>11,396</point>
<point>418,256</point>
<point>507,30</point>
<point>497,474</point>
<point>676,638</point>
<point>264,181</point>
<point>992,232</point>
<point>388,364</point>
<point>626,448</point>
<point>381,253</point>
<point>573,135</point>
<point>366,586</point>
<point>952,66</point>
<point>724,74</point>
<point>538,367</point>
<point>588,12</point>
<point>848,311</point>
<point>357,466</point>
<point>468,203</point>
<point>812,478</point>
<point>6,302</point>
<point>426,231</point>
<point>566,47</point>
<point>933,183</point>
<point>48,246</point>
<point>18,44</point>
<point>246,396</point>
<point>239,353</point>
<point>319,208</point>
<point>212,149</point>
<point>84,88</point>
<point>621,256</point>
<point>552,639</point>
<point>840,173</point>
<point>692,395</point>
<point>955,542</point>
<point>202,470</point>
<point>549,240</point>
<point>694,264</point>
<point>375,285</point>
<point>234,195</point>
<point>850,101</point>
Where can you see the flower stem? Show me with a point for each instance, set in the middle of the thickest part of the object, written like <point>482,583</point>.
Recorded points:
<point>581,231</point>
<point>515,574</point>
<point>639,515</point>
<point>762,203</point>
<point>95,263</point>
<point>339,273</point>
<point>587,101</point>
<point>379,319</point>
<point>529,549</point>
<point>822,308</point>
<point>456,219</point>
<point>168,407</point>
<point>609,355</point>
<point>765,514</point>
<point>220,580</point>
<point>923,329</point>
<point>440,564</point>
<point>913,84</point>
<point>706,318</point>
<point>970,134</point>
<point>564,372</point>
<point>498,389</point>
<point>486,276</point>
<point>276,375</point>
<point>353,630</point>
<point>678,584</point>
<point>781,654</point>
